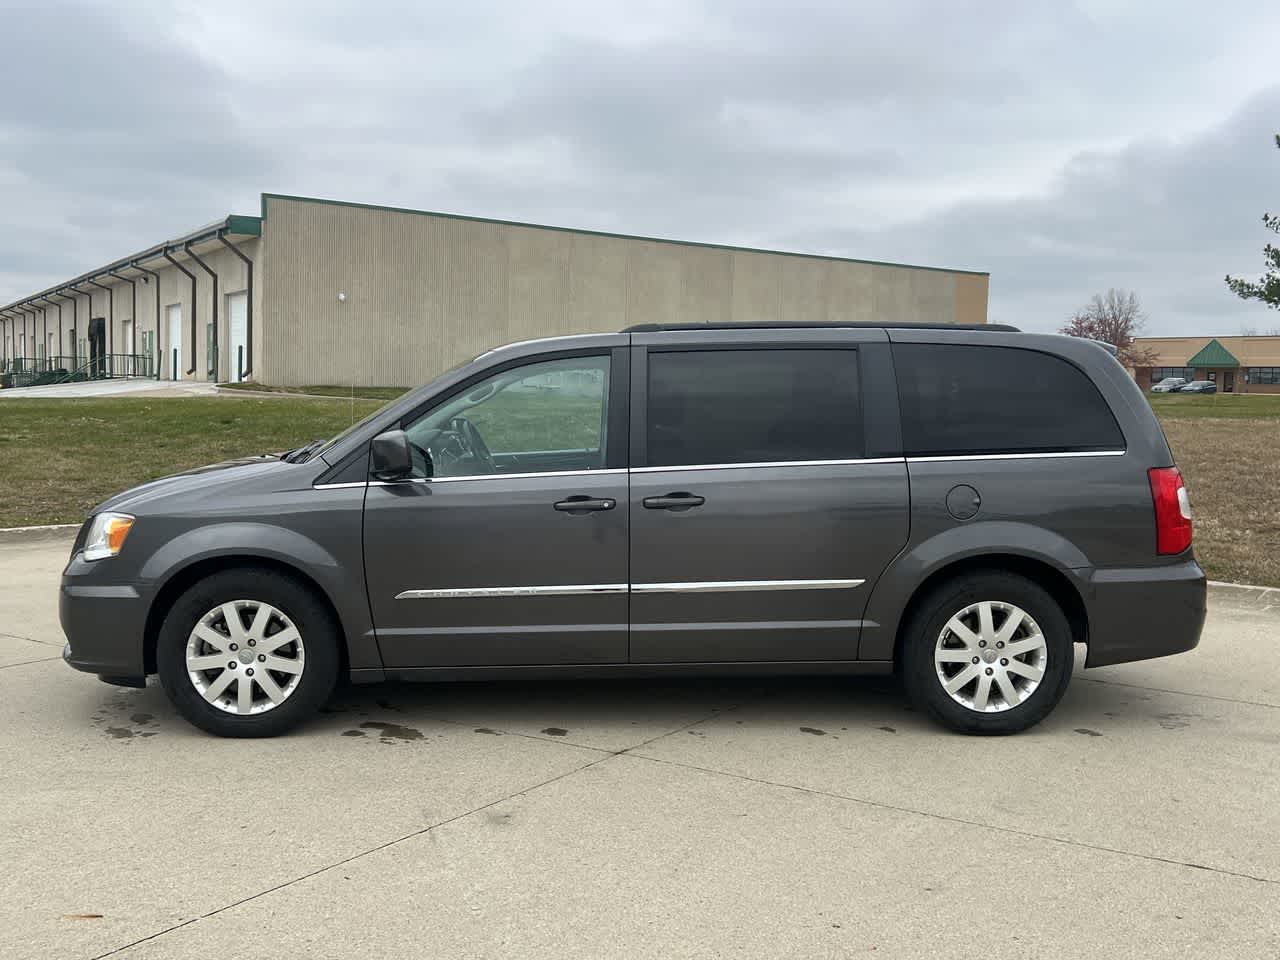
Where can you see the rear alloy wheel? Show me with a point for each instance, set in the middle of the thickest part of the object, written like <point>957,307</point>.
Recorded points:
<point>988,653</point>
<point>248,653</point>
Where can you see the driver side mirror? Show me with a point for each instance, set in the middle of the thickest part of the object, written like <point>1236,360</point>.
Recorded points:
<point>389,456</point>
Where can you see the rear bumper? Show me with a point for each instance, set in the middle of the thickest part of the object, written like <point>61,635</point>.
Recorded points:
<point>104,627</point>
<point>1138,614</point>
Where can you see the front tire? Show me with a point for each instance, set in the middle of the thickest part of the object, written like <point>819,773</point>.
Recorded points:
<point>248,653</point>
<point>988,653</point>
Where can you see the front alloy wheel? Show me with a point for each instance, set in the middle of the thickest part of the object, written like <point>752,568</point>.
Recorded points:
<point>245,657</point>
<point>248,652</point>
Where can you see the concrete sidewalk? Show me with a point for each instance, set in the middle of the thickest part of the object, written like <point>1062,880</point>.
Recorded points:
<point>792,818</point>
<point>112,388</point>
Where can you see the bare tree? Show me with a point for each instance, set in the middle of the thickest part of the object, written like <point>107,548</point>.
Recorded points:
<point>1117,318</point>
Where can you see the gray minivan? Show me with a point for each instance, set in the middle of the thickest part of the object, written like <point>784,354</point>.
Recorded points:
<point>961,505</point>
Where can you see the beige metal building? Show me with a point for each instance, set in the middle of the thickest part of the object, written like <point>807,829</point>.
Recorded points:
<point>321,292</point>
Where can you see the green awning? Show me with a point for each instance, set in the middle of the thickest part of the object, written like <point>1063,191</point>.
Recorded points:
<point>1214,354</point>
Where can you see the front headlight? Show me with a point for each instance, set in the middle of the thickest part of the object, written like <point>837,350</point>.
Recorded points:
<point>106,535</point>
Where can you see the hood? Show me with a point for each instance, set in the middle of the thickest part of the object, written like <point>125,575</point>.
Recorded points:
<point>190,482</point>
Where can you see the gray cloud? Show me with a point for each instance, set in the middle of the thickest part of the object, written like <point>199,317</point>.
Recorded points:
<point>1064,147</point>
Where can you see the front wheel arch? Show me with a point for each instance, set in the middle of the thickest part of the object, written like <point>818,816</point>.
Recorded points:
<point>185,578</point>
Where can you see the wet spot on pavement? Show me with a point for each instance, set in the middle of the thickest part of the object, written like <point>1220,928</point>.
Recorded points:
<point>141,718</point>
<point>386,705</point>
<point>494,733</point>
<point>354,733</point>
<point>389,732</point>
<point>813,730</point>
<point>1087,732</point>
<point>1174,721</point>
<point>555,731</point>
<point>120,733</point>
<point>886,729</point>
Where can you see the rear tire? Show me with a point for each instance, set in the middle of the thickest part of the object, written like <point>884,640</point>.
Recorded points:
<point>987,653</point>
<point>248,653</point>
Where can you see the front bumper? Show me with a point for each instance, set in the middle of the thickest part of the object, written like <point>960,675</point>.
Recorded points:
<point>1146,612</point>
<point>104,623</point>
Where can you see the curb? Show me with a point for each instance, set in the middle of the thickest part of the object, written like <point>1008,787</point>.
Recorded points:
<point>1244,592</point>
<point>51,531</point>
<point>278,394</point>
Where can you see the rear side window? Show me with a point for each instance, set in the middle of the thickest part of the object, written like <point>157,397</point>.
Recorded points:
<point>752,406</point>
<point>958,399</point>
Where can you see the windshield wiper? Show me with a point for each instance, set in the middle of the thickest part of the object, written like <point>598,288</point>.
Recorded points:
<point>301,454</point>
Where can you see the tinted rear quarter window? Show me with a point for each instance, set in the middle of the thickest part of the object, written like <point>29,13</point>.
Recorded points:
<point>960,399</point>
<point>752,406</point>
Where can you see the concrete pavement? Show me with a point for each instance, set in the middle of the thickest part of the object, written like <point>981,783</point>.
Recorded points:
<point>798,818</point>
<point>141,387</point>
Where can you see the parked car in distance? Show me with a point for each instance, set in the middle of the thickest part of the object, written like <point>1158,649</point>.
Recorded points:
<point>1200,386</point>
<point>1170,385</point>
<point>670,500</point>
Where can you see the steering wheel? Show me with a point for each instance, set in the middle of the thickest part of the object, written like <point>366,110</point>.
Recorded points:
<point>466,431</point>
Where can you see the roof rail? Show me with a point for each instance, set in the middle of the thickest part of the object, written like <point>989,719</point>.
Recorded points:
<point>832,324</point>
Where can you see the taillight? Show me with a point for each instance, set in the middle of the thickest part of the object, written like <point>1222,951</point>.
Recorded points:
<point>1173,510</point>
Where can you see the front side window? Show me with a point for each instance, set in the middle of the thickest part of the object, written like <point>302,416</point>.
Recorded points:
<point>971,400</point>
<point>752,406</point>
<point>537,418</point>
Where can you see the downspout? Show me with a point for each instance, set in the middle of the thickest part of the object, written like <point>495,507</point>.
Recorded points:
<point>192,277</point>
<point>75,321</point>
<point>248,310</point>
<point>32,342</point>
<point>213,277</point>
<point>133,310</point>
<point>155,279</point>
<point>62,340</point>
<point>44,310</point>
<point>111,320</point>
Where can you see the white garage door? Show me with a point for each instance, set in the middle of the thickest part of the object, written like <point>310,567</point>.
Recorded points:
<point>237,328</point>
<point>173,348</point>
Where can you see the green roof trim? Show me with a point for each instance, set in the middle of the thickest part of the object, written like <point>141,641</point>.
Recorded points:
<point>1213,354</point>
<point>244,226</point>
<point>615,236</point>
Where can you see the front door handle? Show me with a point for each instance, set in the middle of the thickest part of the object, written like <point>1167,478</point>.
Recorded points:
<point>674,501</point>
<point>584,504</point>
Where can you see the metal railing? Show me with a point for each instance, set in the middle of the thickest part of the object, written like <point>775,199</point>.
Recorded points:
<point>39,371</point>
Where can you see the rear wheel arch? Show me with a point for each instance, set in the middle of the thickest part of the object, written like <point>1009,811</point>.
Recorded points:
<point>183,579</point>
<point>1050,578</point>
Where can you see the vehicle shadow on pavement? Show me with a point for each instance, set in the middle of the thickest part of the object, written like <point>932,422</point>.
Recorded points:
<point>620,714</point>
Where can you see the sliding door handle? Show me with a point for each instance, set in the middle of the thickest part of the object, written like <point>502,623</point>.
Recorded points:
<point>674,501</point>
<point>583,504</point>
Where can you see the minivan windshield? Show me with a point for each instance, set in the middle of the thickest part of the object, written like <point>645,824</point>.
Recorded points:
<point>413,395</point>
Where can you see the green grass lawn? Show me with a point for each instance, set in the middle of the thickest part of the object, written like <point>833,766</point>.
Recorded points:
<point>1234,406</point>
<point>58,458</point>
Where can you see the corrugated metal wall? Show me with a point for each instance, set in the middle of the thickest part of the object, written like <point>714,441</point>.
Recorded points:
<point>422,293</point>
<point>175,288</point>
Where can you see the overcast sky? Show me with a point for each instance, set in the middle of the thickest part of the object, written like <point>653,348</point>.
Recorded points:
<point>1063,147</point>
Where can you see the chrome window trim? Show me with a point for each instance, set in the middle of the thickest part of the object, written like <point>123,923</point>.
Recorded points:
<point>349,484</point>
<point>1019,456</point>
<point>733,586</point>
<point>568,590</point>
<point>768,463</point>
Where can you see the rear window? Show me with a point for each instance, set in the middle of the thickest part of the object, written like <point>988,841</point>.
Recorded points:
<point>960,399</point>
<point>752,406</point>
